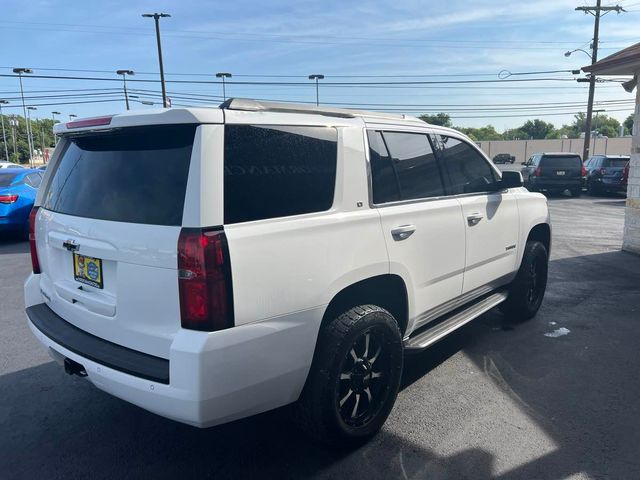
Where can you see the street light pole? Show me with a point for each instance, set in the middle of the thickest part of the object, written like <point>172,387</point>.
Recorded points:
<point>13,121</point>
<point>4,135</point>
<point>223,75</point>
<point>157,17</point>
<point>316,77</point>
<point>29,130</point>
<point>124,74</point>
<point>20,72</point>
<point>55,137</point>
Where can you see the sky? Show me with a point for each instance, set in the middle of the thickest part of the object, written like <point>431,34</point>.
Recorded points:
<point>376,55</point>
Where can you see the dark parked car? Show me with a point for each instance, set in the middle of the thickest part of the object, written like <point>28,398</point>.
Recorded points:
<point>554,172</point>
<point>605,173</point>
<point>504,158</point>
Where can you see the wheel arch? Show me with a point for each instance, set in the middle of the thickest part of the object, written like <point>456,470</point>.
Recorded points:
<point>542,233</point>
<point>388,291</point>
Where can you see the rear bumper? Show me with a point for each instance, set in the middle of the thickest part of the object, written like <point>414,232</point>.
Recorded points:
<point>213,377</point>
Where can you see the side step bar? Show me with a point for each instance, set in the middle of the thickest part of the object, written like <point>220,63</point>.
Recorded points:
<point>430,336</point>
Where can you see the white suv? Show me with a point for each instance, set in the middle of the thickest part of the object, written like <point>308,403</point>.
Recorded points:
<point>211,264</point>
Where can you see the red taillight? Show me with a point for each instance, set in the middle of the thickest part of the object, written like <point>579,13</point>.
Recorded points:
<point>35,263</point>
<point>6,199</point>
<point>584,171</point>
<point>90,122</point>
<point>204,279</point>
<point>538,172</point>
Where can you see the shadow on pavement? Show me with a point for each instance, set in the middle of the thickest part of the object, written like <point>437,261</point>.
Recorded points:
<point>580,389</point>
<point>11,242</point>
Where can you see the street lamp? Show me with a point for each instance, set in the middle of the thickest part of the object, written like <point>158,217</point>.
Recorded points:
<point>4,135</point>
<point>316,77</point>
<point>157,17</point>
<point>595,123</point>
<point>22,71</point>
<point>124,74</point>
<point>29,132</point>
<point>568,54</point>
<point>223,75</point>
<point>55,137</point>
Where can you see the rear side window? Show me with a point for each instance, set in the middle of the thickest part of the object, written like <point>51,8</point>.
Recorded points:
<point>383,175</point>
<point>561,161</point>
<point>135,175</point>
<point>415,165</point>
<point>278,171</point>
<point>33,179</point>
<point>468,171</point>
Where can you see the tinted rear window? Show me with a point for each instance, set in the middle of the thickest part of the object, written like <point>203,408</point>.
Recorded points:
<point>135,175</point>
<point>565,162</point>
<point>278,171</point>
<point>6,178</point>
<point>615,162</point>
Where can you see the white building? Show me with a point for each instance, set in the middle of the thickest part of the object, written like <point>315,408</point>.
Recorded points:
<point>627,62</point>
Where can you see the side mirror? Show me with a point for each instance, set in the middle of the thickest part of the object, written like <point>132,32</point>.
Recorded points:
<point>511,180</point>
<point>524,163</point>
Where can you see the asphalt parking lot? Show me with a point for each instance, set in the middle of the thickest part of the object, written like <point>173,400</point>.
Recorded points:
<point>494,400</point>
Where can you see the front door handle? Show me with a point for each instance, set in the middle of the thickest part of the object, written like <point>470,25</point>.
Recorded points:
<point>474,219</point>
<point>403,232</point>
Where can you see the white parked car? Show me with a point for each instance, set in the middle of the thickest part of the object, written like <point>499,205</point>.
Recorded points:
<point>211,264</point>
<point>10,165</point>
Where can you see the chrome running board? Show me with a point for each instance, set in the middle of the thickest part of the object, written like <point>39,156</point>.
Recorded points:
<point>423,339</point>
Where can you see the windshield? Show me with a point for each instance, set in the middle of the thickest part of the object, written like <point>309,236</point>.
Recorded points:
<point>568,161</point>
<point>136,175</point>
<point>616,162</point>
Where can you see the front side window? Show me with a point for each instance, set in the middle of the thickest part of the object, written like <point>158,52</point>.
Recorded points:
<point>466,168</point>
<point>278,171</point>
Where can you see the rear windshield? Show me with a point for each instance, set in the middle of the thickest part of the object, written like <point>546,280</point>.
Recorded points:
<point>569,161</point>
<point>6,178</point>
<point>135,175</point>
<point>619,162</point>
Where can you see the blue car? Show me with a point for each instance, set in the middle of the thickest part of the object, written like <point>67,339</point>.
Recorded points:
<point>18,188</point>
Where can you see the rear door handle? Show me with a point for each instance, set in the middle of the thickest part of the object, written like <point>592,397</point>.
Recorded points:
<point>474,219</point>
<point>403,232</point>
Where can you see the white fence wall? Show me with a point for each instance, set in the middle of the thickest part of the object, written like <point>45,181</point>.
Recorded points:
<point>523,149</point>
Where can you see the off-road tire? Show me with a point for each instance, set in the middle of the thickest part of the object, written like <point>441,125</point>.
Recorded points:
<point>523,304</point>
<point>319,411</point>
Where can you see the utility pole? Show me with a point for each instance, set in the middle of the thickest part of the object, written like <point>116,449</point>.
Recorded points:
<point>4,135</point>
<point>596,11</point>
<point>157,17</point>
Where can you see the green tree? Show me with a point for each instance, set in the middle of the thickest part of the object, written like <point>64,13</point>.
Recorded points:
<point>483,133</point>
<point>442,119</point>
<point>605,125</point>
<point>15,128</point>
<point>537,129</point>
<point>628,124</point>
